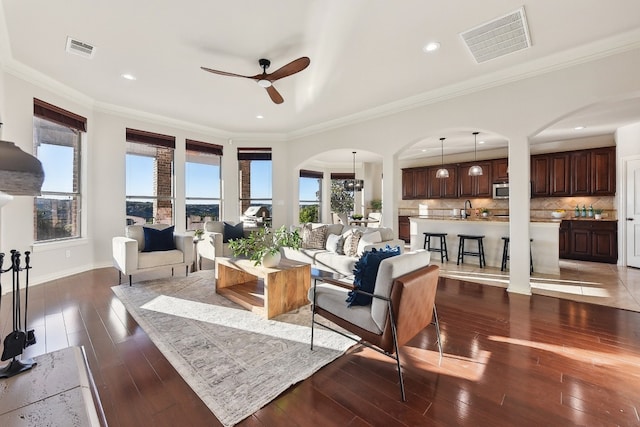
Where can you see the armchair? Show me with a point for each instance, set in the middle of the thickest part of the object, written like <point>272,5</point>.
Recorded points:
<point>213,240</point>
<point>130,256</point>
<point>403,305</point>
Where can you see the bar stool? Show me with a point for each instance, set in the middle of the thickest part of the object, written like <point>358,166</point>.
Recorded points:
<point>443,244</point>
<point>505,254</point>
<point>479,254</point>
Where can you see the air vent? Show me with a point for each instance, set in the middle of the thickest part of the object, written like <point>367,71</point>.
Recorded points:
<point>80,48</point>
<point>499,37</point>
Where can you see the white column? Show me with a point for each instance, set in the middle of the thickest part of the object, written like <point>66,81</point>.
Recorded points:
<point>519,215</point>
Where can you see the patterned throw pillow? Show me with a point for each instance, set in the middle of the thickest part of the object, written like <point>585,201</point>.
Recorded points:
<point>365,274</point>
<point>350,247</point>
<point>314,238</point>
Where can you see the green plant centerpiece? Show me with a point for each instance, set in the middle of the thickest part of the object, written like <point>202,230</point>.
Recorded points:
<point>265,243</point>
<point>198,233</point>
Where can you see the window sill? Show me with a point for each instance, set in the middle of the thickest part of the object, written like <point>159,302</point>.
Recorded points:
<point>58,244</point>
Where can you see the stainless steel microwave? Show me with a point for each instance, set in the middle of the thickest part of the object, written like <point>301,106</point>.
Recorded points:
<point>501,190</point>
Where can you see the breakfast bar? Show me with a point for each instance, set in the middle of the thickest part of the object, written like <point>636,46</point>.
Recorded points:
<point>545,234</point>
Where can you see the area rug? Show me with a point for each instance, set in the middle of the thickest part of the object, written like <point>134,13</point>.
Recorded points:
<point>235,361</point>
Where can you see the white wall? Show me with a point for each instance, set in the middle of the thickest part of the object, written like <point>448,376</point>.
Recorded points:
<point>516,110</point>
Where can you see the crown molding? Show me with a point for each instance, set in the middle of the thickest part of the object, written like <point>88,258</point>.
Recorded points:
<point>586,53</point>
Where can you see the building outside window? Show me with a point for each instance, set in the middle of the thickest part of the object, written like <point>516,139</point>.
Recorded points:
<point>203,183</point>
<point>57,140</point>
<point>255,178</point>
<point>149,177</point>
<point>310,196</point>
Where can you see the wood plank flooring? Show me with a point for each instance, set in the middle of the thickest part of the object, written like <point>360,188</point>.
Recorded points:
<point>509,360</point>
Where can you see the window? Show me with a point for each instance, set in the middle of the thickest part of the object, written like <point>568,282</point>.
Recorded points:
<point>310,196</point>
<point>202,182</point>
<point>57,140</point>
<point>149,177</point>
<point>342,200</point>
<point>255,176</point>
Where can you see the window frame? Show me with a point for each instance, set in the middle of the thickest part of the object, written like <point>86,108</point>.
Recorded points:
<point>198,148</point>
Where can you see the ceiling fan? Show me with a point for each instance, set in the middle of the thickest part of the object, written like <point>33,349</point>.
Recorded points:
<point>266,80</point>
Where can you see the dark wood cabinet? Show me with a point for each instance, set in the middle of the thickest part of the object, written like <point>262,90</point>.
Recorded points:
<point>499,169</point>
<point>421,183</point>
<point>581,173</point>
<point>603,171</point>
<point>560,174</point>
<point>589,240</point>
<point>414,183</point>
<point>443,188</point>
<point>475,186</point>
<point>540,176</point>
<point>404,228</point>
<point>563,239</point>
<point>574,173</point>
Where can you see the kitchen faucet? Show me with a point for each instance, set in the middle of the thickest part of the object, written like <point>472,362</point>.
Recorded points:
<point>466,213</point>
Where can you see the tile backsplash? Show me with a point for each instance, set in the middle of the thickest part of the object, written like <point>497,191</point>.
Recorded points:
<point>540,207</point>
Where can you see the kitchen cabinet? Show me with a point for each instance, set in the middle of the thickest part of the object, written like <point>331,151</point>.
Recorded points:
<point>475,186</point>
<point>443,188</point>
<point>563,239</point>
<point>589,240</point>
<point>404,228</point>
<point>499,168</point>
<point>581,173</point>
<point>540,176</point>
<point>414,183</point>
<point>560,174</point>
<point>574,173</point>
<point>603,171</point>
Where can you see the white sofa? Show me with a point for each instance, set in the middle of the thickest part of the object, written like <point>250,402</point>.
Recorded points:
<point>326,259</point>
<point>130,258</point>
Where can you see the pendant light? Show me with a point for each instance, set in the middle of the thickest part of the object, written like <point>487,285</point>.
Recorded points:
<point>475,170</point>
<point>354,184</point>
<point>442,172</point>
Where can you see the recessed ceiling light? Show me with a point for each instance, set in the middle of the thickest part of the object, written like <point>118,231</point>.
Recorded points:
<point>128,76</point>
<point>578,127</point>
<point>424,150</point>
<point>480,142</point>
<point>259,116</point>
<point>431,47</point>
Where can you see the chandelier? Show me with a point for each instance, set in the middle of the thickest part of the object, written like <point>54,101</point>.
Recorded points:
<point>354,184</point>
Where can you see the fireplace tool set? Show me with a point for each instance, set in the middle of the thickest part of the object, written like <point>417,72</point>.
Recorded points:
<point>18,339</point>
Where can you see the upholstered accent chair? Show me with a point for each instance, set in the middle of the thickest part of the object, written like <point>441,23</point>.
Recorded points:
<point>215,240</point>
<point>403,304</point>
<point>150,247</point>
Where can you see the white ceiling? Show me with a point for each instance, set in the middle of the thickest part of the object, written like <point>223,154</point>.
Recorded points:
<point>366,56</point>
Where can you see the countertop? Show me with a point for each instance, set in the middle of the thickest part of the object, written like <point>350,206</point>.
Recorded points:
<point>491,218</point>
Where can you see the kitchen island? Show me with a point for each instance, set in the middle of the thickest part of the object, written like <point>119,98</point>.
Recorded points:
<point>545,234</point>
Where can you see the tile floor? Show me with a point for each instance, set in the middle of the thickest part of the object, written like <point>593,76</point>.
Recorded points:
<point>592,282</point>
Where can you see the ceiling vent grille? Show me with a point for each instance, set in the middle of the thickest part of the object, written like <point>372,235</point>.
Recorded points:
<point>499,37</point>
<point>80,48</point>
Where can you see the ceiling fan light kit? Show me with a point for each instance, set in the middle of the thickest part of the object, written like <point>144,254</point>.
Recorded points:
<point>475,170</point>
<point>266,80</point>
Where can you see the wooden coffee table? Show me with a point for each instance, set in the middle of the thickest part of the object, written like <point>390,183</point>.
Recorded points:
<point>266,291</point>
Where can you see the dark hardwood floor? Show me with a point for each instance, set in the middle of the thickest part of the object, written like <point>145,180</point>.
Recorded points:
<point>509,360</point>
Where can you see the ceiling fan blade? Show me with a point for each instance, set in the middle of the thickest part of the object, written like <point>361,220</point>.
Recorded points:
<point>224,73</point>
<point>275,95</point>
<point>292,67</point>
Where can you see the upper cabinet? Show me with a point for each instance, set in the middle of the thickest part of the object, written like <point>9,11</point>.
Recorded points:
<point>500,170</point>
<point>475,186</point>
<point>443,188</point>
<point>574,173</point>
<point>415,183</point>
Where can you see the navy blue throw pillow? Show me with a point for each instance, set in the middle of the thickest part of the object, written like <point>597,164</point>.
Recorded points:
<point>232,232</point>
<point>365,273</point>
<point>158,240</point>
